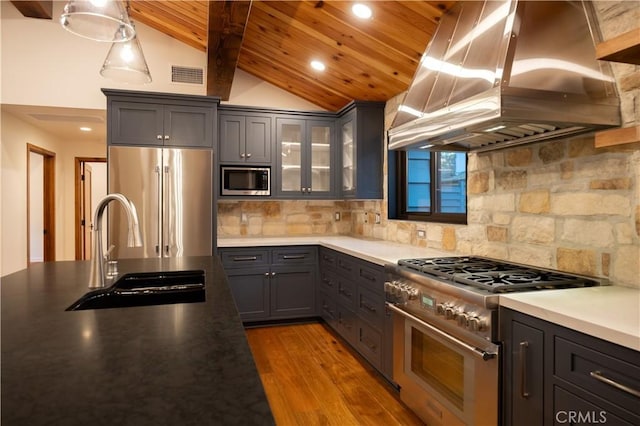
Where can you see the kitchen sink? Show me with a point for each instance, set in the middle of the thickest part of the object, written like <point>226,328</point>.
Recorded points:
<point>146,288</point>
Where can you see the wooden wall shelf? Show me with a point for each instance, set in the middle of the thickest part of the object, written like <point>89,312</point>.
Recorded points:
<point>623,48</point>
<point>620,136</point>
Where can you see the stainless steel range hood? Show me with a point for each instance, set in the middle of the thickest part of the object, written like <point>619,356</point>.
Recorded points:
<point>503,73</point>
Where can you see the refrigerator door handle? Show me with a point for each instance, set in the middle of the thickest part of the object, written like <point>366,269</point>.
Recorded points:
<point>159,187</point>
<point>166,202</point>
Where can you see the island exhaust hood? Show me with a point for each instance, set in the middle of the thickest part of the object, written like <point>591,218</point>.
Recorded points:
<point>503,73</point>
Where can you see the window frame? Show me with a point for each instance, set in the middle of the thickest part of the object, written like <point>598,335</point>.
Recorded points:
<point>397,196</point>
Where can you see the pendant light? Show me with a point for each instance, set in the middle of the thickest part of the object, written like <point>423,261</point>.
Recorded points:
<point>100,20</point>
<point>125,62</point>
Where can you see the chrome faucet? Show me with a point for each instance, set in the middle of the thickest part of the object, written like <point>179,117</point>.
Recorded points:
<point>97,274</point>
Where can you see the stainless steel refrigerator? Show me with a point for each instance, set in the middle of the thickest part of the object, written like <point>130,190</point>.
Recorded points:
<point>172,190</point>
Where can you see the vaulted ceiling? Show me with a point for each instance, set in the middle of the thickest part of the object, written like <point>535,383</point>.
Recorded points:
<point>370,59</point>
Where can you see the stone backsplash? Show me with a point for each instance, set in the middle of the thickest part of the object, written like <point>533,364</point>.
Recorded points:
<point>563,204</point>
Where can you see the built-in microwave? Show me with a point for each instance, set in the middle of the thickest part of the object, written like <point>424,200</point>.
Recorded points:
<point>239,180</point>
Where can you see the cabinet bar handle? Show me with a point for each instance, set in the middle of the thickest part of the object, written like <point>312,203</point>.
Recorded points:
<point>363,274</point>
<point>522,359</point>
<point>293,256</point>
<point>368,307</point>
<point>244,258</point>
<point>601,378</point>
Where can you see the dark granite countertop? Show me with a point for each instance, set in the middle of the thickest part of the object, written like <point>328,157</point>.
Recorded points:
<point>181,364</point>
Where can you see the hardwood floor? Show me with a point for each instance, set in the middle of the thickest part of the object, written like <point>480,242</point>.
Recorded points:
<point>312,378</point>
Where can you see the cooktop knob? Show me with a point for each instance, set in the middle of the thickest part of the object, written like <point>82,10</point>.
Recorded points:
<point>475,324</point>
<point>440,307</point>
<point>462,319</point>
<point>448,313</point>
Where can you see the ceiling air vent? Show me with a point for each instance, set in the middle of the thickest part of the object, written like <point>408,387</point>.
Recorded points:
<point>187,75</point>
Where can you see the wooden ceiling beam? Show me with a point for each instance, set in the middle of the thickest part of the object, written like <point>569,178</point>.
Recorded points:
<point>35,9</point>
<point>227,23</point>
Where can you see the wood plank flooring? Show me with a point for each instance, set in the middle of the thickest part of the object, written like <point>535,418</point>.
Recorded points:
<point>312,378</point>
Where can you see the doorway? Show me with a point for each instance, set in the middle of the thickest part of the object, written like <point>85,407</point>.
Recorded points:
<point>41,226</point>
<point>90,187</point>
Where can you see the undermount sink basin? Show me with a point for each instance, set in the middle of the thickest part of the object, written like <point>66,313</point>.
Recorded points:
<point>144,289</point>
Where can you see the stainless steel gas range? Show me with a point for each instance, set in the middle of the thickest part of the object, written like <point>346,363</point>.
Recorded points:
<point>446,346</point>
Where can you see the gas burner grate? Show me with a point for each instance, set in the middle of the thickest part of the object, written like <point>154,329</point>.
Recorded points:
<point>493,275</point>
<point>514,280</point>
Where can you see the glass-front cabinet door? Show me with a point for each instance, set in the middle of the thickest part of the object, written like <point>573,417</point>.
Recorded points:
<point>320,153</point>
<point>290,141</point>
<point>348,155</point>
<point>305,158</point>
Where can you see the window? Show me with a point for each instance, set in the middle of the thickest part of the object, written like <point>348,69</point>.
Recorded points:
<point>428,186</point>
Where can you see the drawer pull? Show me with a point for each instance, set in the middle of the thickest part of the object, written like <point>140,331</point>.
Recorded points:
<point>522,359</point>
<point>601,378</point>
<point>344,265</point>
<point>293,256</point>
<point>368,307</point>
<point>327,281</point>
<point>329,259</point>
<point>245,258</point>
<point>345,292</point>
<point>364,275</point>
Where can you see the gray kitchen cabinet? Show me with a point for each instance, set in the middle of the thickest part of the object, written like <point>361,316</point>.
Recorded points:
<point>292,291</point>
<point>361,150</point>
<point>305,158</point>
<point>561,376</point>
<point>524,358</point>
<point>270,283</point>
<point>245,139</point>
<point>158,119</point>
<point>351,294</point>
<point>250,289</point>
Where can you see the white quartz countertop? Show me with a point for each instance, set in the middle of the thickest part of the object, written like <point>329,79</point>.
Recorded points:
<point>374,251</point>
<point>610,313</point>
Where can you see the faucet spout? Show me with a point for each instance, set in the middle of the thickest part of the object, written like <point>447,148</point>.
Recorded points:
<point>97,274</point>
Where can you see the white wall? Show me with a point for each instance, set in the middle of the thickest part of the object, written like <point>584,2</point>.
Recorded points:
<point>15,135</point>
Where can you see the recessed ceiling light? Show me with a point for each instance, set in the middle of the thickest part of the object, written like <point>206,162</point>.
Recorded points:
<point>362,11</point>
<point>86,129</point>
<point>317,65</point>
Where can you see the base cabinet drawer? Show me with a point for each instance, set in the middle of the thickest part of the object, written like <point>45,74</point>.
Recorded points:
<point>347,323</point>
<point>242,258</point>
<point>371,307</point>
<point>327,309</point>
<point>573,410</point>
<point>370,344</point>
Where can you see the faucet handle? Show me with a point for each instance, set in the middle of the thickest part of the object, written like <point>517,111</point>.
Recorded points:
<point>108,253</point>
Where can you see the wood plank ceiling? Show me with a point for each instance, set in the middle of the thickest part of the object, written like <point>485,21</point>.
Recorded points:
<point>372,59</point>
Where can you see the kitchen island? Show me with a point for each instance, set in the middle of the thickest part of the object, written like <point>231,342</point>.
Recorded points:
<point>176,364</point>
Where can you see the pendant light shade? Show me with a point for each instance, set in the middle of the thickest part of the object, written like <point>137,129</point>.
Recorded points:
<point>125,63</point>
<point>100,20</point>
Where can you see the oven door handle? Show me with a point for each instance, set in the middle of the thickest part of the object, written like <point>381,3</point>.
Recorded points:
<point>485,355</point>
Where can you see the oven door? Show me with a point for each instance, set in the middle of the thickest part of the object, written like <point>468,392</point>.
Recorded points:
<point>444,380</point>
